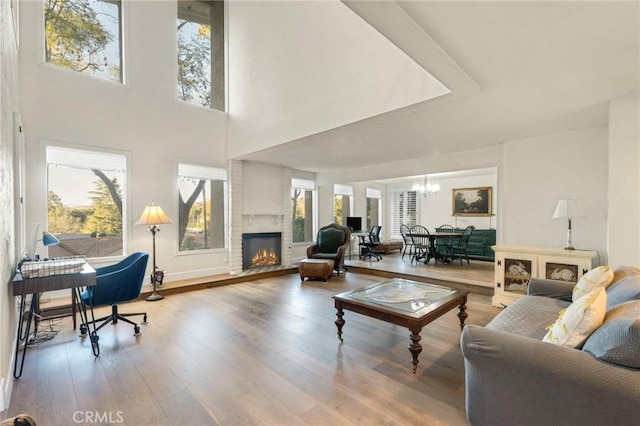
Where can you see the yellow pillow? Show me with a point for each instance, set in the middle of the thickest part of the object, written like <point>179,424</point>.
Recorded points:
<point>602,276</point>
<point>576,322</point>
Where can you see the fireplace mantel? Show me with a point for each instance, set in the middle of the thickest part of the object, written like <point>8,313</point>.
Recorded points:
<point>251,216</point>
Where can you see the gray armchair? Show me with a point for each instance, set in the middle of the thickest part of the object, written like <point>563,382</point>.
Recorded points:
<point>332,243</point>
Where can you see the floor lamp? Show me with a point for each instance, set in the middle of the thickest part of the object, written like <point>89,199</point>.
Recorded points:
<point>568,209</point>
<point>152,216</point>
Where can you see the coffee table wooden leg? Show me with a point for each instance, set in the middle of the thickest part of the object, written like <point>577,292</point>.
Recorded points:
<point>462,314</point>
<point>415,348</point>
<point>339,321</point>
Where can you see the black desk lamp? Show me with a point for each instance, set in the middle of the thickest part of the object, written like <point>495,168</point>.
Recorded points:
<point>152,216</point>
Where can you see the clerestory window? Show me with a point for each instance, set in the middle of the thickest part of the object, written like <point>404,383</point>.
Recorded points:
<point>84,36</point>
<point>201,55</point>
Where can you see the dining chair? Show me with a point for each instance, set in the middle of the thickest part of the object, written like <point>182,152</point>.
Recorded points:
<point>458,251</point>
<point>420,239</point>
<point>408,243</point>
<point>443,245</point>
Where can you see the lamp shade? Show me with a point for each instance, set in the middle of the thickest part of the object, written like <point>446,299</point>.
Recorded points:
<point>153,215</point>
<point>569,208</point>
<point>49,239</point>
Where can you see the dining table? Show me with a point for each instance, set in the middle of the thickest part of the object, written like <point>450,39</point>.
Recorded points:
<point>431,252</point>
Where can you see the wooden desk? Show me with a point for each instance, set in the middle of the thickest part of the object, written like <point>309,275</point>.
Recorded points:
<point>24,287</point>
<point>361,234</point>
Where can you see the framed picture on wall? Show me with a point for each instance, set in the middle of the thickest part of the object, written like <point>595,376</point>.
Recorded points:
<point>472,201</point>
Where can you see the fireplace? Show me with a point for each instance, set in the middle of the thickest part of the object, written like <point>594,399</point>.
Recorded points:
<point>261,249</point>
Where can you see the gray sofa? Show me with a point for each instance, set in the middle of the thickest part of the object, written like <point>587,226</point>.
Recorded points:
<point>512,377</point>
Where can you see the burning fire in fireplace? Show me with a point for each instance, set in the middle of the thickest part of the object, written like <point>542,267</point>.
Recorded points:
<point>261,249</point>
<point>264,258</point>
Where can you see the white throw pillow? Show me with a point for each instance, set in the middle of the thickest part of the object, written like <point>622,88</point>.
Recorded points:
<point>602,276</point>
<point>577,321</point>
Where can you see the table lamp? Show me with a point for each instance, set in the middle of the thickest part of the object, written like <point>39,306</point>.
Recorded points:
<point>152,216</point>
<point>568,209</point>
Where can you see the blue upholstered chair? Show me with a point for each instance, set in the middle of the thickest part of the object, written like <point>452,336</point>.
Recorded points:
<point>117,283</point>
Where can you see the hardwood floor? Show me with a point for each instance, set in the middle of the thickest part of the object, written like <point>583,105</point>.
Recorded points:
<point>259,352</point>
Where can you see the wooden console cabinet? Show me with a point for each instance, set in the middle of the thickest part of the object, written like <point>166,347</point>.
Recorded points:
<point>516,265</point>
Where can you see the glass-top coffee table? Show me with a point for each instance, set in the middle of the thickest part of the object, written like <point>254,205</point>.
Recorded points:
<point>406,303</point>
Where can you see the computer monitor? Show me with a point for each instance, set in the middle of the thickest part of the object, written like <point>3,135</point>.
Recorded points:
<point>355,223</point>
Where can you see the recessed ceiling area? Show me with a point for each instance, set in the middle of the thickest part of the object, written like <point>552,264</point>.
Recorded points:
<point>538,68</point>
<point>302,68</point>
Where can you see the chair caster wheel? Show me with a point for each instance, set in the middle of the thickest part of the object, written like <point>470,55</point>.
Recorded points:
<point>83,330</point>
<point>94,338</point>
<point>144,319</point>
<point>136,331</point>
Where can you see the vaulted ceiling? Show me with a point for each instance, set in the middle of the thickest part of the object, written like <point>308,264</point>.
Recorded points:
<point>515,70</point>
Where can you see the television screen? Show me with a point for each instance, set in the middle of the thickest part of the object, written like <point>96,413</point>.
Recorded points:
<point>355,223</point>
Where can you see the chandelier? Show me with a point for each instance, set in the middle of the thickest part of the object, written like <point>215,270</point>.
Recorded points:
<point>426,189</point>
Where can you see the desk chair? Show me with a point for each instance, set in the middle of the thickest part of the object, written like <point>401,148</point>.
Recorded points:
<point>117,283</point>
<point>366,247</point>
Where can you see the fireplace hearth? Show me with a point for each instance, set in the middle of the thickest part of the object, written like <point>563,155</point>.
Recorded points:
<point>261,249</point>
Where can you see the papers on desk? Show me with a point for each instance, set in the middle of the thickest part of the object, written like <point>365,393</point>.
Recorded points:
<point>45,268</point>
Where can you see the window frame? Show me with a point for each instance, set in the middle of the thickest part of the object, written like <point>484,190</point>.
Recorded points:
<point>127,223</point>
<point>208,173</point>
<point>397,218</point>
<point>225,65</point>
<point>307,185</point>
<point>124,31</point>
<point>373,194</point>
<point>344,191</point>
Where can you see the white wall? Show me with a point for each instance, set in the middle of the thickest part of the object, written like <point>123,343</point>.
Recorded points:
<point>539,171</point>
<point>9,105</point>
<point>624,181</point>
<point>142,118</point>
<point>532,175</point>
<point>436,210</point>
<point>302,67</point>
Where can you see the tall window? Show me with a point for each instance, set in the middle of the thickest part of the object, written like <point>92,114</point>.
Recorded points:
<point>202,207</point>
<point>404,209</point>
<point>374,200</point>
<point>85,202</point>
<point>342,203</point>
<point>201,59</point>
<point>84,36</point>
<point>302,210</point>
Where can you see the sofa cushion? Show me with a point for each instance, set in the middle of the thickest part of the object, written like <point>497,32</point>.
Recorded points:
<point>618,338</point>
<point>528,316</point>
<point>623,290</point>
<point>578,320</point>
<point>623,272</point>
<point>597,277</point>
<point>330,239</point>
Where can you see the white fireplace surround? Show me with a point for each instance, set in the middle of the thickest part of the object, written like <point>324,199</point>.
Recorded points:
<point>254,208</point>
